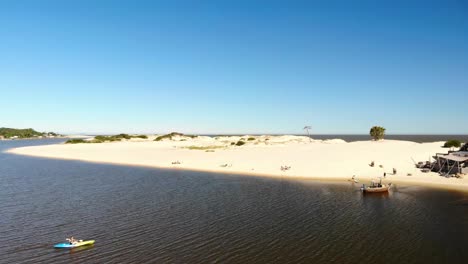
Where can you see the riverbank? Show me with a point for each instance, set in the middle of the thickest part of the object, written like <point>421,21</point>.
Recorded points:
<point>272,156</point>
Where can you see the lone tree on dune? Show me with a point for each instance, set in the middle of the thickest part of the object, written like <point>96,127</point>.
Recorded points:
<point>306,128</point>
<point>377,132</point>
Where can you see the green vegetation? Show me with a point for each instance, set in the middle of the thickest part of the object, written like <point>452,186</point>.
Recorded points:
<point>119,137</point>
<point>20,133</point>
<point>377,132</point>
<point>204,147</point>
<point>126,136</point>
<point>102,139</point>
<point>251,138</point>
<point>240,143</point>
<point>75,141</point>
<point>163,137</point>
<point>233,143</point>
<point>173,134</point>
<point>453,143</point>
<point>79,141</point>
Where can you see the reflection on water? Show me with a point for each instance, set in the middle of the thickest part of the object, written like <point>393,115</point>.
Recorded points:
<point>140,215</point>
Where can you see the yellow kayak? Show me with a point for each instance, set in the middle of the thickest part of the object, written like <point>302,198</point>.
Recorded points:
<point>74,244</point>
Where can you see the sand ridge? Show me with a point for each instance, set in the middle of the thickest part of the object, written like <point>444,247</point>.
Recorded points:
<point>265,155</point>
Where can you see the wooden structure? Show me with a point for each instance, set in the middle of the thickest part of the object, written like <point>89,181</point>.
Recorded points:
<point>464,147</point>
<point>452,163</point>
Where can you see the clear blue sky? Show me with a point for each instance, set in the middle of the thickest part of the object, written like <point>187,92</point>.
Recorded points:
<point>234,66</point>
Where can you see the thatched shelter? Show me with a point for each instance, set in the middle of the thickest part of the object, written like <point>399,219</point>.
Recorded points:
<point>464,147</point>
<point>452,163</point>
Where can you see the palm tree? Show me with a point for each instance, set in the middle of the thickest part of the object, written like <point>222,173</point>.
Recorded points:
<point>377,132</point>
<point>306,128</point>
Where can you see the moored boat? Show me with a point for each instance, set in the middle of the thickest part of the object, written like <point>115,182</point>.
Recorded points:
<point>376,187</point>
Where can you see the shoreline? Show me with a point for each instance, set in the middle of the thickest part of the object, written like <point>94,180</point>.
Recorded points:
<point>33,138</point>
<point>337,179</point>
<point>317,160</point>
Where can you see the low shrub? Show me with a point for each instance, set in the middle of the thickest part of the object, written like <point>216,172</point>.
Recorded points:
<point>240,143</point>
<point>163,137</point>
<point>126,136</point>
<point>175,134</point>
<point>170,135</point>
<point>204,147</point>
<point>452,143</point>
<point>75,141</point>
<point>107,138</point>
<point>251,138</point>
<point>101,138</point>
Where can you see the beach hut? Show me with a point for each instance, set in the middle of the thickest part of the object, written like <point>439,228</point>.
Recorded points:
<point>464,147</point>
<point>453,163</point>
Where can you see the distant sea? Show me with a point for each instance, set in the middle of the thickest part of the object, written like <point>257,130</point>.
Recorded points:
<point>414,138</point>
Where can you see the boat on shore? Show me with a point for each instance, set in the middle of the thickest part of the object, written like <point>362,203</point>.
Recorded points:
<point>376,187</point>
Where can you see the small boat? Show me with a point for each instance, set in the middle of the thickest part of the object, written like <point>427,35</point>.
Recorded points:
<point>75,244</point>
<point>376,187</point>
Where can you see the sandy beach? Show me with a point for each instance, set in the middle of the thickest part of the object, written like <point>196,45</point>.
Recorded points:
<point>265,155</point>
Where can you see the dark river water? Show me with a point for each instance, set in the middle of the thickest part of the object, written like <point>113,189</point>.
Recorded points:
<point>142,215</point>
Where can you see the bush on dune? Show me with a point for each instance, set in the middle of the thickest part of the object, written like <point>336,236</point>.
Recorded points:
<point>75,141</point>
<point>163,137</point>
<point>240,143</point>
<point>102,139</point>
<point>126,136</point>
<point>173,134</point>
<point>453,143</point>
<point>108,138</point>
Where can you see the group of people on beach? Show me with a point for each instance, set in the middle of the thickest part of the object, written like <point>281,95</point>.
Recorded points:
<point>372,164</point>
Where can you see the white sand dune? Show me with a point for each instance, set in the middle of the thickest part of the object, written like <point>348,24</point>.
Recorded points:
<point>264,155</point>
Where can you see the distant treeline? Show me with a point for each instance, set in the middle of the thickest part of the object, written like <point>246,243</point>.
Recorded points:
<point>23,133</point>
